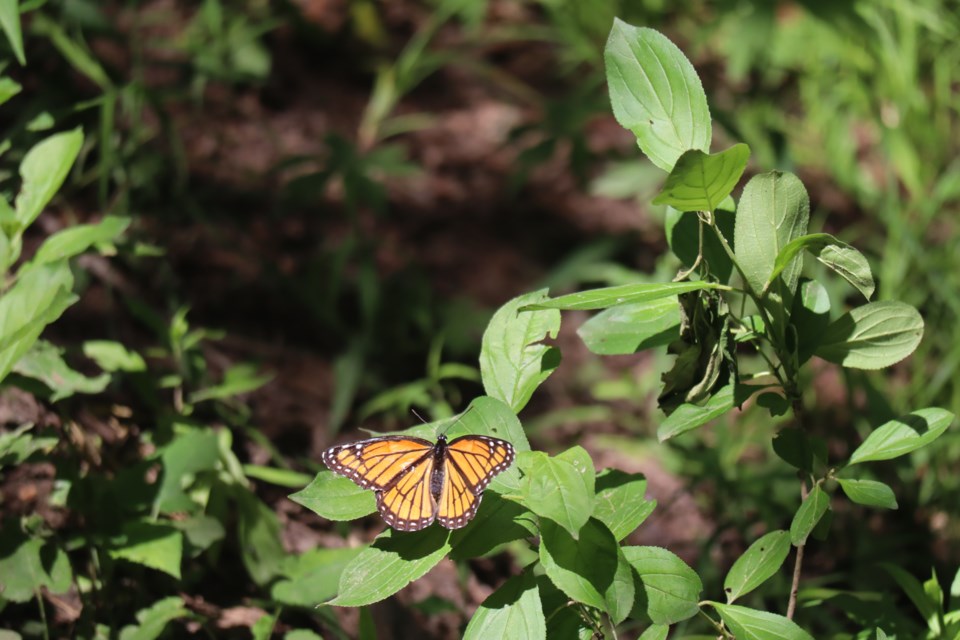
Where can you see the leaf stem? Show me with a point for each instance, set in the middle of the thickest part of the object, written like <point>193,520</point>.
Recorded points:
<point>716,625</point>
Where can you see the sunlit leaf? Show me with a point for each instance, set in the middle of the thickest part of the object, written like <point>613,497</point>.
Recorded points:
<point>512,611</point>
<point>873,336</point>
<point>671,587</point>
<point>757,564</point>
<point>701,181</point>
<point>808,515</point>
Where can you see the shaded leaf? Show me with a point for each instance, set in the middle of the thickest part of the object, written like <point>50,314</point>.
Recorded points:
<point>44,362</point>
<point>792,445</point>
<point>808,515</point>
<point>512,611</point>
<point>671,587</point>
<point>621,501</point>
<point>629,328</point>
<point>621,294</point>
<point>873,336</point>
<point>27,565</point>
<point>751,624</point>
<point>869,492</point>
<point>834,253</point>
<point>153,620</point>
<point>689,416</point>
<point>313,577</point>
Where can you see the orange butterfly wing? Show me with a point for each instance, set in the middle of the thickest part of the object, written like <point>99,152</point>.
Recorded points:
<point>469,465</point>
<point>411,491</point>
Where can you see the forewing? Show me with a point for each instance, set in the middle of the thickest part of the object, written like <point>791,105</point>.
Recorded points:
<point>376,463</point>
<point>407,505</point>
<point>479,459</point>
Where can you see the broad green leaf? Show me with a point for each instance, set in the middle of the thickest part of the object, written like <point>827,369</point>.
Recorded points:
<point>869,492</point>
<point>8,88</point>
<point>629,328</point>
<point>513,360</point>
<point>258,531</point>
<point>38,298</point>
<point>683,235</point>
<point>689,416</point>
<point>313,577</point>
<point>590,569</point>
<point>873,336</point>
<point>113,356</point>
<point>153,620</point>
<point>560,488</point>
<point>671,587</point>
<point>621,501</point>
<point>836,254</point>
<point>43,170</point>
<point>655,632</point>
<point>512,611</point>
<point>701,181</point>
<point>158,546</point>
<point>757,564</point>
<point>10,23</point>
<point>392,562</point>
<point>656,94</point>
<point>903,435</point>
<point>187,455</point>
<point>498,521</point>
<point>751,624</point>
<point>564,621</point>
<point>808,515</point>
<point>621,294</point>
<point>810,317</point>
<point>200,531</point>
<point>44,362</point>
<point>773,210</point>
<point>262,629</point>
<point>75,240</point>
<point>792,445</point>
<point>27,565</point>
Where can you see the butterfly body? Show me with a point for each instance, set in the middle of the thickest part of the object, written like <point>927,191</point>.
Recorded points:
<point>418,481</point>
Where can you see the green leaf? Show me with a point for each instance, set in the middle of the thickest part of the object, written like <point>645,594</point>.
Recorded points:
<point>312,578</point>
<point>560,488</point>
<point>392,562</point>
<point>513,361</point>
<point>873,336</point>
<point>75,240</point>
<point>810,317</point>
<point>498,521</point>
<point>750,624</point>
<point>44,362</point>
<point>258,532</point>
<point>671,587</point>
<point>590,569</point>
<point>302,634</point>
<point>187,455</point>
<point>869,492</point>
<point>512,611</point>
<point>701,181</point>
<point>689,416</point>
<point>157,546</point>
<point>773,210</point>
<point>621,501</point>
<point>10,22</point>
<point>915,591</point>
<point>43,170</point>
<point>153,620</point>
<point>808,515</point>
<point>336,498</point>
<point>18,445</point>
<point>278,476</point>
<point>656,94</point>
<point>39,297</point>
<point>792,445</point>
<point>903,435</point>
<point>655,632</point>
<point>630,328</point>
<point>757,564</point>
<point>621,294</point>
<point>113,356</point>
<point>200,531</point>
<point>27,565</point>
<point>8,87</point>
<point>241,378</point>
<point>836,254</point>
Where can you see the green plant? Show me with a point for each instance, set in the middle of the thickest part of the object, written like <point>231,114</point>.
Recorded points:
<point>742,321</point>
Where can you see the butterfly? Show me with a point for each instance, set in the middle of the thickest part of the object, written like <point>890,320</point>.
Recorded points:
<point>418,481</point>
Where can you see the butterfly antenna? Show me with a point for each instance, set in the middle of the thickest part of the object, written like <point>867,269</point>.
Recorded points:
<point>458,420</point>
<point>414,412</point>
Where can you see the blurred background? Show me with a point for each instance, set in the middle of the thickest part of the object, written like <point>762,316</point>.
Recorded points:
<point>329,199</point>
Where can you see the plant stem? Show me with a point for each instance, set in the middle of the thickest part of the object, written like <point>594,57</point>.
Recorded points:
<point>795,585</point>
<point>716,625</point>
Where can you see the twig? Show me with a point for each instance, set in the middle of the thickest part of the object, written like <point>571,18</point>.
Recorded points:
<point>798,564</point>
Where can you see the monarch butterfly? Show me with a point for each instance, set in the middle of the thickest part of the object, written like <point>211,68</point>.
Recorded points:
<point>418,481</point>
